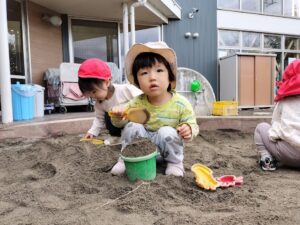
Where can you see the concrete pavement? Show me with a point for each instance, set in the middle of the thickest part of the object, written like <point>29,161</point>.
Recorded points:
<point>79,123</point>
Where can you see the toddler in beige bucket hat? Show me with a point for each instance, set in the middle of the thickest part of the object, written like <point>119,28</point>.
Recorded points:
<point>152,67</point>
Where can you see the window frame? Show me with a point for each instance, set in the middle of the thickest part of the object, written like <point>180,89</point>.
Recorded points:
<point>261,12</point>
<point>119,38</point>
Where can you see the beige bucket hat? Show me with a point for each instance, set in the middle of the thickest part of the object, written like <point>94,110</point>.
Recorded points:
<point>160,48</point>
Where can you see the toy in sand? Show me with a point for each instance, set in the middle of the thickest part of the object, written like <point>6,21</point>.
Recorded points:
<point>94,141</point>
<point>136,115</point>
<point>204,178</point>
<point>140,159</point>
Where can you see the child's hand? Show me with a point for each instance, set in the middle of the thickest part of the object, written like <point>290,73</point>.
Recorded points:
<point>185,131</point>
<point>88,135</point>
<point>117,111</point>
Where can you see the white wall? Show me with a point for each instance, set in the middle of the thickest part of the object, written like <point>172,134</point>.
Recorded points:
<point>254,22</point>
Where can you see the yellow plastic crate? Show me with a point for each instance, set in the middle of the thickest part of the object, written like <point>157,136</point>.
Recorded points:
<point>225,108</point>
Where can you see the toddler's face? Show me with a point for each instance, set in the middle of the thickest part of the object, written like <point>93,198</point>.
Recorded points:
<point>99,93</point>
<point>154,81</point>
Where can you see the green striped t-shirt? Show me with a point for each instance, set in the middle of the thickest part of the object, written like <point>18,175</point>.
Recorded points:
<point>175,112</point>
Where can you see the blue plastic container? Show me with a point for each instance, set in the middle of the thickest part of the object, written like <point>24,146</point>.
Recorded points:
<point>23,101</point>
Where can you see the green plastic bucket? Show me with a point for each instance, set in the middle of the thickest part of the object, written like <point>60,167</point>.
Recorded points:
<point>140,168</point>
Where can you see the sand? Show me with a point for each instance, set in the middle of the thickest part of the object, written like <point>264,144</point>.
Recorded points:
<point>139,147</point>
<point>61,181</point>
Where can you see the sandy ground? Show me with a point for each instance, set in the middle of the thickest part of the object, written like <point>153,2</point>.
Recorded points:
<point>62,181</point>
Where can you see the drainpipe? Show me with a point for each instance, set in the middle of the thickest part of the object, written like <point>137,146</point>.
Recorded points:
<point>5,84</point>
<point>148,6</point>
<point>125,28</point>
<point>132,18</point>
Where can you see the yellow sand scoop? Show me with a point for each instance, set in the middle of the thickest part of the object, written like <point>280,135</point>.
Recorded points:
<point>136,115</point>
<point>94,141</point>
<point>204,177</point>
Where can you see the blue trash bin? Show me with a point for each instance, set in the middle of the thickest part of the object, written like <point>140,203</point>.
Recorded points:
<point>23,101</point>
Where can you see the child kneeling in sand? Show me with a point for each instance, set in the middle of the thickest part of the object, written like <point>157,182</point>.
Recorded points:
<point>152,68</point>
<point>279,144</point>
<point>94,80</point>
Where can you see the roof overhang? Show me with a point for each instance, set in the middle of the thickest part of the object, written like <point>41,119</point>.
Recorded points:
<point>154,12</point>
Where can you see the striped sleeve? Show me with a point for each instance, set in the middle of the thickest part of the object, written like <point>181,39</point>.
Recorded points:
<point>187,115</point>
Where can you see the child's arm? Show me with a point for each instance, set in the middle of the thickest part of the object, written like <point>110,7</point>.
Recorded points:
<point>185,131</point>
<point>98,123</point>
<point>188,127</point>
<point>276,123</point>
<point>188,130</point>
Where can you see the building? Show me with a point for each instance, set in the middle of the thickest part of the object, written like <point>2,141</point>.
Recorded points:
<point>42,34</point>
<point>194,38</point>
<point>260,26</point>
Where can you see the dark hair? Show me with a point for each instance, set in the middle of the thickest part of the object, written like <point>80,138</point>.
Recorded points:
<point>89,84</point>
<point>148,59</point>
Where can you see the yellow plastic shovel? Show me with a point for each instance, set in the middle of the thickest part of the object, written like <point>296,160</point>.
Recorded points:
<point>136,115</point>
<point>204,177</point>
<point>94,141</point>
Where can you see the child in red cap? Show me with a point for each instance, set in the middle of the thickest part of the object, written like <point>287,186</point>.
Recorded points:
<point>279,144</point>
<point>95,81</point>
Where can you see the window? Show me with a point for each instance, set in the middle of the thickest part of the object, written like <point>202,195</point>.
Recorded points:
<point>232,4</point>
<point>227,52</point>
<point>15,39</point>
<point>143,34</point>
<point>251,5</point>
<point>291,8</point>
<point>278,62</point>
<point>272,41</point>
<point>251,40</point>
<point>292,43</point>
<point>93,39</point>
<point>273,7</point>
<point>289,57</point>
<point>228,38</point>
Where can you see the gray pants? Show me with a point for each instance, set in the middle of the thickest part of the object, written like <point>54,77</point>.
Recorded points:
<point>169,143</point>
<point>280,150</point>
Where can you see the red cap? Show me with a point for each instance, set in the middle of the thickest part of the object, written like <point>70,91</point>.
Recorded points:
<point>290,83</point>
<point>94,68</point>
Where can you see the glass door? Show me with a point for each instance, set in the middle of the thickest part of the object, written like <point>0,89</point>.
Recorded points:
<point>94,39</point>
<point>15,41</point>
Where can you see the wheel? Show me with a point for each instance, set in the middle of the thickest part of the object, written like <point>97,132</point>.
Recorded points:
<point>90,108</point>
<point>63,109</point>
